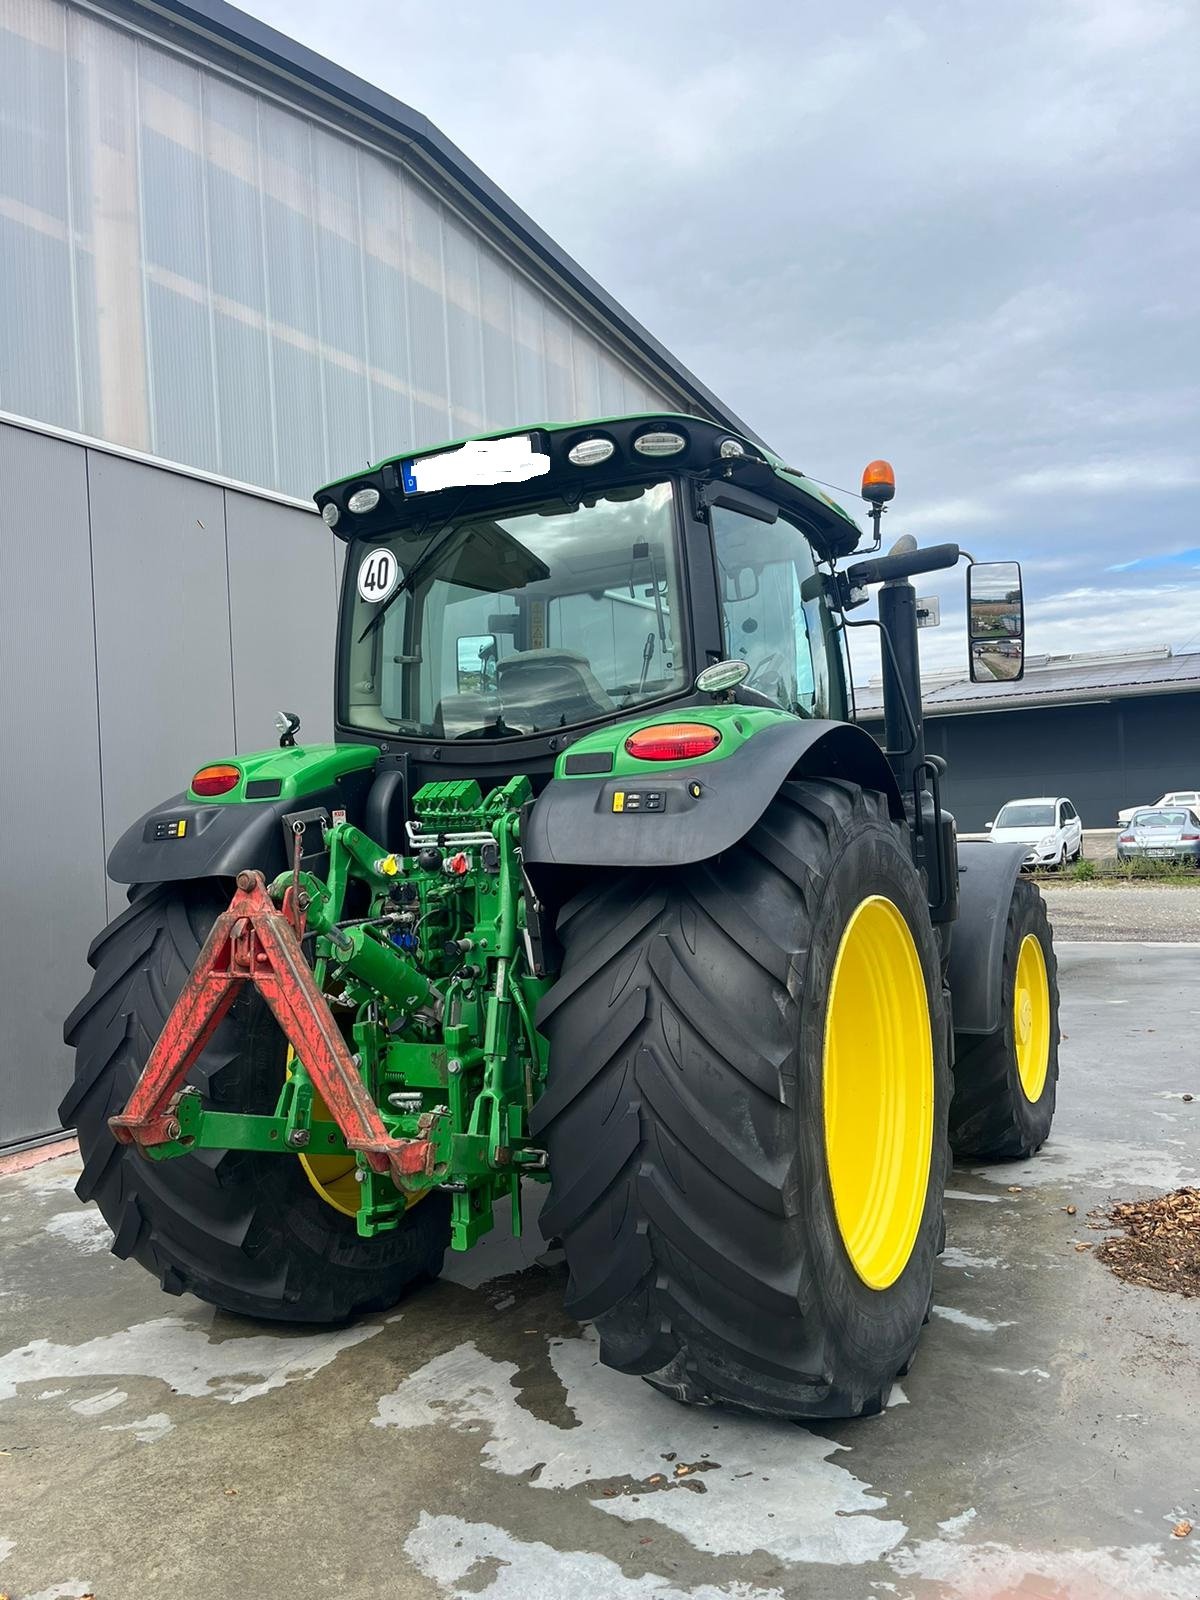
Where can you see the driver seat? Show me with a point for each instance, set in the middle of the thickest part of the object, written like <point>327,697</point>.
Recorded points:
<point>550,688</point>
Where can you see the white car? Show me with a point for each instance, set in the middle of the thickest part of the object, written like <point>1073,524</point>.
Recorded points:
<point>1048,825</point>
<point>1177,797</point>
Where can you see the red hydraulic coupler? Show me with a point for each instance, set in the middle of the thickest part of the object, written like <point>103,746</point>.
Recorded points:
<point>254,942</point>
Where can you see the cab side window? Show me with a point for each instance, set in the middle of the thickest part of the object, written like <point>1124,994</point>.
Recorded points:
<point>771,615</point>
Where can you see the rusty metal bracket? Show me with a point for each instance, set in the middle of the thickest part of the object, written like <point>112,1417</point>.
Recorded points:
<point>254,942</point>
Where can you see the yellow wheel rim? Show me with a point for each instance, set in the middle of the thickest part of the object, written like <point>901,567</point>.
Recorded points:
<point>878,1090</point>
<point>331,1176</point>
<point>1031,1017</point>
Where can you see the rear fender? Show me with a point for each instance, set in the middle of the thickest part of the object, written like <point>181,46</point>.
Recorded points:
<point>693,811</point>
<point>186,838</point>
<point>987,874</point>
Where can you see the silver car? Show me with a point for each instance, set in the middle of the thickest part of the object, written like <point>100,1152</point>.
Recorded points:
<point>1166,833</point>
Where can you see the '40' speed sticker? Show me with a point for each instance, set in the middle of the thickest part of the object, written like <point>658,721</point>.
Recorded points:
<point>378,575</point>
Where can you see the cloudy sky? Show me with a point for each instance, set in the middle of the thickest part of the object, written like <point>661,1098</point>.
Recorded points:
<point>962,236</point>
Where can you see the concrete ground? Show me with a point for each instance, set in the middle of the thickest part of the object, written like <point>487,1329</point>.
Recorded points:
<point>1044,1444</point>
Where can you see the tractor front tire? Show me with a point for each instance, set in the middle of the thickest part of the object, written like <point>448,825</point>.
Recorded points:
<point>746,1112</point>
<point>1006,1082</point>
<point>247,1232</point>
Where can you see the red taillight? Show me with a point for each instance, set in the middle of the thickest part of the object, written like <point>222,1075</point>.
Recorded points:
<point>1124,838</point>
<point>1189,838</point>
<point>218,779</point>
<point>673,741</point>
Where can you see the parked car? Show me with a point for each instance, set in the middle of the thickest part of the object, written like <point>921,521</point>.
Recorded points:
<point>1049,825</point>
<point>1177,797</point>
<point>1165,833</point>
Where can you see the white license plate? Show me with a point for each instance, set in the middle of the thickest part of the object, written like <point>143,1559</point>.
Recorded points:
<point>1160,850</point>
<point>479,461</point>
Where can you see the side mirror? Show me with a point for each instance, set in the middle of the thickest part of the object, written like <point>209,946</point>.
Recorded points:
<point>476,662</point>
<point>740,584</point>
<point>995,621</point>
<point>988,826</point>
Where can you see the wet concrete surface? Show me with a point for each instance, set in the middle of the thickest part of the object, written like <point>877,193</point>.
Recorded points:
<point>1044,1444</point>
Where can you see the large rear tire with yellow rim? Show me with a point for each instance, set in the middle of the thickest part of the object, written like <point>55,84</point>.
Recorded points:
<point>746,1112</point>
<point>1006,1082</point>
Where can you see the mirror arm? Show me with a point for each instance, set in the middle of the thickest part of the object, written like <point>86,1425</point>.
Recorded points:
<point>884,568</point>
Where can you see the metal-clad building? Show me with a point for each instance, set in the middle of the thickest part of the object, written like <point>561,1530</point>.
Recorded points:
<point>230,271</point>
<point>1105,730</point>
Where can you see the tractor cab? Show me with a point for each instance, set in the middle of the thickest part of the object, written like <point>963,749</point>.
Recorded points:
<point>520,587</point>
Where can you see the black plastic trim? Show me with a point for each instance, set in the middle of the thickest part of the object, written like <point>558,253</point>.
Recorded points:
<point>220,841</point>
<point>987,873</point>
<point>589,764</point>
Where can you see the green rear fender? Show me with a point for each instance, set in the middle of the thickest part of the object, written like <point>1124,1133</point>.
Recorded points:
<point>605,807</point>
<point>190,836</point>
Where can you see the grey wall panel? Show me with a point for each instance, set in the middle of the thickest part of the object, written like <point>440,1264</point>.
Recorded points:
<point>51,846</point>
<point>162,633</point>
<point>283,615</point>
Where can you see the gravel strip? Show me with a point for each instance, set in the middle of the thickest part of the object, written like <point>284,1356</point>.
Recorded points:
<point>1167,912</point>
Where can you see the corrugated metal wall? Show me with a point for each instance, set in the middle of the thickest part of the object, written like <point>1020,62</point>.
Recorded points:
<point>233,285</point>
<point>135,643</point>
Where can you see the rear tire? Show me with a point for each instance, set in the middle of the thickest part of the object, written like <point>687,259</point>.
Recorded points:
<point>992,1115</point>
<point>246,1232</point>
<point>685,1115</point>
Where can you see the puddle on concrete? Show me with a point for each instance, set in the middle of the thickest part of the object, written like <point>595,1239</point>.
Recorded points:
<point>182,1354</point>
<point>1098,1163</point>
<point>84,1229</point>
<point>478,1558</point>
<point>146,1430</point>
<point>964,1319</point>
<point>1137,1572</point>
<point>95,1405</point>
<point>50,1179</point>
<point>964,1260</point>
<point>776,1486</point>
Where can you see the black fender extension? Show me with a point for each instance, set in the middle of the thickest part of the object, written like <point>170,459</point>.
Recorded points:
<point>986,875</point>
<point>701,808</point>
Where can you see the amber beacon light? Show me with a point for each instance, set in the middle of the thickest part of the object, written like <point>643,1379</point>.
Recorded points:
<point>878,482</point>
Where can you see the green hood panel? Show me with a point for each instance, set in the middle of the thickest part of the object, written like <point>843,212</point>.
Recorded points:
<point>736,724</point>
<point>289,774</point>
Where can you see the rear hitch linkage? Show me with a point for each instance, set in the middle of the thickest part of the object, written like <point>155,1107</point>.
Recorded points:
<point>254,942</point>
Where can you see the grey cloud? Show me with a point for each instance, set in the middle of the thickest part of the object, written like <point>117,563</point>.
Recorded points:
<point>962,237</point>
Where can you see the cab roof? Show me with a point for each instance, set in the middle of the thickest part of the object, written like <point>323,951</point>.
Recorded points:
<point>832,529</point>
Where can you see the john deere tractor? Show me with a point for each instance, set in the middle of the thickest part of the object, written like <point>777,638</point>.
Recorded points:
<point>601,888</point>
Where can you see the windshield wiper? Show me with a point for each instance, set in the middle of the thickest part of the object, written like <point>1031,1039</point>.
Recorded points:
<point>435,547</point>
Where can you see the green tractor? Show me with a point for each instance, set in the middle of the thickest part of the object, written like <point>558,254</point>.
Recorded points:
<point>602,888</point>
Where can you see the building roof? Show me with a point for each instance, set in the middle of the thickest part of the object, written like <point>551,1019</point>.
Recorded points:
<point>1052,680</point>
<point>219,31</point>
